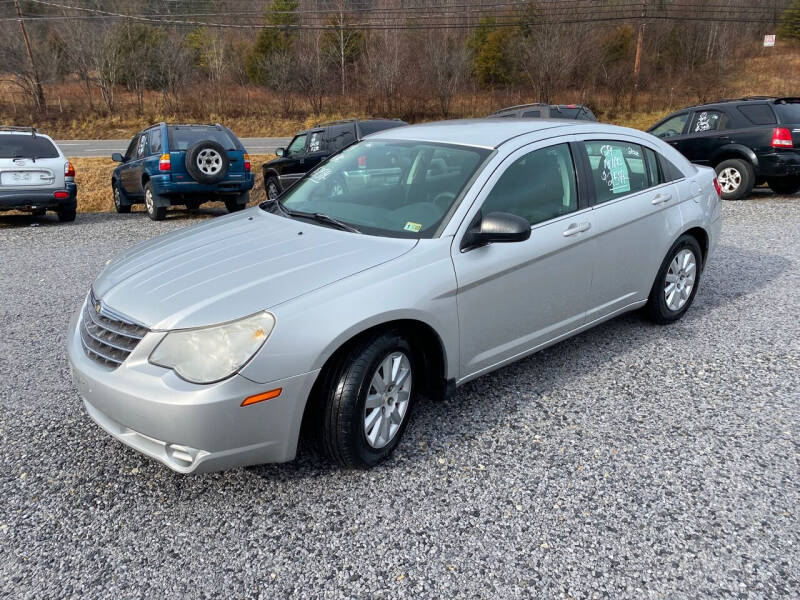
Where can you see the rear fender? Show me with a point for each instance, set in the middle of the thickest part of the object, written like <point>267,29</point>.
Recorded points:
<point>729,151</point>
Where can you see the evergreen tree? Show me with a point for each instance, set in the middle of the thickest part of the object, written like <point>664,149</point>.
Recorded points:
<point>790,22</point>
<point>278,37</point>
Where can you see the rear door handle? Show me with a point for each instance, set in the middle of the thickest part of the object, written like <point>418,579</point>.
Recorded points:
<point>577,228</point>
<point>661,199</point>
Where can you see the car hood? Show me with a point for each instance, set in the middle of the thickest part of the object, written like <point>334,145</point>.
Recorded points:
<point>234,266</point>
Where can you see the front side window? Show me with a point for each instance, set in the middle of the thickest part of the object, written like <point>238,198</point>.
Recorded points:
<point>298,145</point>
<point>708,120</point>
<point>538,187</point>
<point>671,127</point>
<point>131,151</point>
<point>390,188</point>
<point>618,169</point>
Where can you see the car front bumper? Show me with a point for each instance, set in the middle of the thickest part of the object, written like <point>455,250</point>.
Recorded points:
<point>188,427</point>
<point>33,199</point>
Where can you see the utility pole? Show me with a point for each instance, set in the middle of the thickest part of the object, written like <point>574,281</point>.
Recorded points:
<point>38,92</point>
<point>637,61</point>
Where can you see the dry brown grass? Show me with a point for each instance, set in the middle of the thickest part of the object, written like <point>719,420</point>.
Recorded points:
<point>93,176</point>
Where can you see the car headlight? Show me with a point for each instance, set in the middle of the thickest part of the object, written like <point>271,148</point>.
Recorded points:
<point>213,353</point>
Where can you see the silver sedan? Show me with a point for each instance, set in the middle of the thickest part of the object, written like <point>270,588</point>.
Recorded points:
<point>408,264</point>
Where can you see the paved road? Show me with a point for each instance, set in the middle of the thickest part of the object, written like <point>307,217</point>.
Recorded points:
<point>88,148</point>
<point>632,461</point>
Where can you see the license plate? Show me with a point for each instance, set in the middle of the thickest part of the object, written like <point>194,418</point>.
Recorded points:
<point>24,178</point>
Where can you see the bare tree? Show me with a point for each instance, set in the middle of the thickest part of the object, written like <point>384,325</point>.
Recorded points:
<point>444,67</point>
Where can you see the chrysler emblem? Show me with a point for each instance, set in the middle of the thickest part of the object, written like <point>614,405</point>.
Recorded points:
<point>98,308</point>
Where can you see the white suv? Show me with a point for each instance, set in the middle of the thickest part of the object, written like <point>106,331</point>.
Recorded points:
<point>35,176</point>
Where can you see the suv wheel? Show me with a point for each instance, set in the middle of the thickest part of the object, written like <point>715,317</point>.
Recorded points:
<point>121,204</point>
<point>272,187</point>
<point>192,204</point>
<point>367,404</point>
<point>207,162</point>
<point>238,202</point>
<point>66,215</point>
<point>736,178</point>
<point>157,213</point>
<point>784,185</point>
<point>676,283</point>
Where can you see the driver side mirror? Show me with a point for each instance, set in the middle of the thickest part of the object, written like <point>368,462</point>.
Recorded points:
<point>117,157</point>
<point>280,152</point>
<point>496,227</point>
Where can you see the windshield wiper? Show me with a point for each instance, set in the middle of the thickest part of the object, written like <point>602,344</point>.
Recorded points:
<point>319,217</point>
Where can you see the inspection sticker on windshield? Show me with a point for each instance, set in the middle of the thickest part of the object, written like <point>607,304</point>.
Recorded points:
<point>415,227</point>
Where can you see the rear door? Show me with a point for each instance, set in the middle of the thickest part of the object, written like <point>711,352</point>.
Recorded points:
<point>636,209</point>
<point>317,149</point>
<point>29,161</point>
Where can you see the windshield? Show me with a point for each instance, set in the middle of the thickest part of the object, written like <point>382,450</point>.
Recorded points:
<point>391,188</point>
<point>181,138</point>
<point>26,146</point>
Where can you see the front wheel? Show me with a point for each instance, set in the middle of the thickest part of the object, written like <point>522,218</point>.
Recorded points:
<point>121,204</point>
<point>368,402</point>
<point>156,213</point>
<point>676,283</point>
<point>785,186</point>
<point>272,188</point>
<point>736,178</point>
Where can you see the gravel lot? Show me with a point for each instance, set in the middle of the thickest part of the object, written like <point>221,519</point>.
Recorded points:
<point>632,461</point>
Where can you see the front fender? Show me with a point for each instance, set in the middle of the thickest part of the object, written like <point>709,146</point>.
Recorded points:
<point>734,151</point>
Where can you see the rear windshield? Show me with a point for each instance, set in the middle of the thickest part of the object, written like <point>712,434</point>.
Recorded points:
<point>368,127</point>
<point>789,112</point>
<point>26,146</point>
<point>181,138</point>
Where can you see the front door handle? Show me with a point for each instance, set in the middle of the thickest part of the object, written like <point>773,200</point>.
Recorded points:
<point>661,198</point>
<point>577,228</point>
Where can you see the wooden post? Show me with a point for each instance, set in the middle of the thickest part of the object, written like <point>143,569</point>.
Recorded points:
<point>637,61</point>
<point>39,93</point>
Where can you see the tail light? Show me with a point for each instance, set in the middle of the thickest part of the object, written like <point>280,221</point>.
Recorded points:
<point>246,162</point>
<point>781,138</point>
<point>163,163</point>
<point>717,187</point>
<point>60,195</point>
<point>69,170</point>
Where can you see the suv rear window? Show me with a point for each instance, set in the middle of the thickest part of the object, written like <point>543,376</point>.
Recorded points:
<point>788,112</point>
<point>181,138</point>
<point>757,114</point>
<point>367,127</point>
<point>26,146</point>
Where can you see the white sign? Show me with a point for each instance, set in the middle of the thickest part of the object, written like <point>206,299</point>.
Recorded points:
<point>769,41</point>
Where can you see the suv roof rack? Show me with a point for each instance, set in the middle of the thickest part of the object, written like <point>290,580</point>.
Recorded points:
<point>518,106</point>
<point>354,120</point>
<point>32,130</point>
<point>742,99</point>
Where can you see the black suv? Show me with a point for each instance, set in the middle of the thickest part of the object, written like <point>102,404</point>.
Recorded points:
<point>748,141</point>
<point>546,111</point>
<point>308,148</point>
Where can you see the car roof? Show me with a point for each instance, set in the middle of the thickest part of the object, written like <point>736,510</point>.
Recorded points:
<point>491,133</point>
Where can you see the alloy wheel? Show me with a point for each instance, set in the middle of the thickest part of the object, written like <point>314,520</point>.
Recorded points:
<point>148,201</point>
<point>729,180</point>
<point>272,191</point>
<point>387,400</point>
<point>680,279</point>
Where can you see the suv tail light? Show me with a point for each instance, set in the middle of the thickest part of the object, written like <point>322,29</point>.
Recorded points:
<point>781,138</point>
<point>717,187</point>
<point>163,163</point>
<point>69,170</point>
<point>246,162</point>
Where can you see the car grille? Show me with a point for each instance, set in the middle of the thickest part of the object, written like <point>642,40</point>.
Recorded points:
<point>108,338</point>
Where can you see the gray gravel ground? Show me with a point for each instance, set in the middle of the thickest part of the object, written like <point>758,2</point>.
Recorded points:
<point>632,461</point>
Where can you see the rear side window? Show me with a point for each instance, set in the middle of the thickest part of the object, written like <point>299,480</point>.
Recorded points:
<point>672,126</point>
<point>789,112</point>
<point>653,170</point>
<point>538,186</point>
<point>368,127</point>
<point>340,136</point>
<point>181,138</point>
<point>669,171</point>
<point>618,169</point>
<point>757,114</point>
<point>155,141</point>
<point>532,113</point>
<point>708,120</point>
<point>26,146</point>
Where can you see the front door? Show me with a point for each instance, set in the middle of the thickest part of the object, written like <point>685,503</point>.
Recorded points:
<point>515,297</point>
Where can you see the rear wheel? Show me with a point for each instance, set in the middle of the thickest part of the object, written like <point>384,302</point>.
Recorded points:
<point>784,185</point>
<point>192,204</point>
<point>736,178</point>
<point>366,408</point>
<point>66,215</point>
<point>121,204</point>
<point>39,212</point>
<point>157,213</point>
<point>676,283</point>
<point>237,203</point>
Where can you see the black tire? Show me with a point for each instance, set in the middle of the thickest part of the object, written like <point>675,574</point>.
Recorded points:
<point>237,203</point>
<point>192,204</point>
<point>66,215</point>
<point>785,186</point>
<point>121,203</point>
<point>739,172</point>
<point>272,187</point>
<point>657,308</point>
<point>156,213</point>
<point>342,434</point>
<point>39,212</point>
<point>213,159</point>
